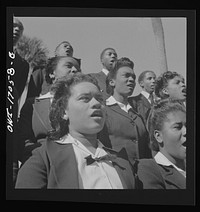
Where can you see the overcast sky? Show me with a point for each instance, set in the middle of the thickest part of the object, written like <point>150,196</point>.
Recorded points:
<point>130,37</point>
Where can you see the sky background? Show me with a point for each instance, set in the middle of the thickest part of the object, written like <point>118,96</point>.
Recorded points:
<point>131,37</point>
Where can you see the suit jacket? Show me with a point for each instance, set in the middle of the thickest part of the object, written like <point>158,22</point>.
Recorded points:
<point>121,130</point>
<point>141,105</point>
<point>54,166</point>
<point>155,176</point>
<point>33,125</point>
<point>21,67</point>
<point>101,78</point>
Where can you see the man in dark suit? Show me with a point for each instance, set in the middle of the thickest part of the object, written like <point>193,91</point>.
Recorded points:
<point>142,102</point>
<point>21,68</point>
<point>20,65</point>
<point>108,59</point>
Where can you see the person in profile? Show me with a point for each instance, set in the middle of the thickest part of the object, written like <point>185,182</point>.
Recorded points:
<point>143,102</point>
<point>73,157</point>
<point>171,85</point>
<point>108,58</point>
<point>167,129</point>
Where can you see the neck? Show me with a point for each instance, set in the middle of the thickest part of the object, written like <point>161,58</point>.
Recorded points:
<point>120,98</point>
<point>88,140</point>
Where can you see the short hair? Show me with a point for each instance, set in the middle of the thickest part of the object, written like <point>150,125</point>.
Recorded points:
<point>60,44</point>
<point>21,26</point>
<point>162,82</point>
<point>61,91</point>
<point>51,66</point>
<point>124,61</point>
<point>102,53</point>
<point>142,75</point>
<point>158,115</point>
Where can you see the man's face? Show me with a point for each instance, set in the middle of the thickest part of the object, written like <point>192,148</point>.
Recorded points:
<point>66,66</point>
<point>65,49</point>
<point>176,88</point>
<point>85,109</point>
<point>148,83</point>
<point>124,83</point>
<point>109,59</point>
<point>17,30</point>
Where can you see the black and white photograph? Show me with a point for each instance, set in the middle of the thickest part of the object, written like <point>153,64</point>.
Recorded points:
<point>96,105</point>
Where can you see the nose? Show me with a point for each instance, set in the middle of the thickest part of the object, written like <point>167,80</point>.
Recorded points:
<point>74,70</point>
<point>95,103</point>
<point>184,131</point>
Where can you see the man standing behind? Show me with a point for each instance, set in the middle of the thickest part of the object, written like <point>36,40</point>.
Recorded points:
<point>108,59</point>
<point>142,102</point>
<point>20,65</point>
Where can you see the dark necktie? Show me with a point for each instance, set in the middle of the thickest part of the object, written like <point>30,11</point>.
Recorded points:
<point>90,160</point>
<point>151,99</point>
<point>107,157</point>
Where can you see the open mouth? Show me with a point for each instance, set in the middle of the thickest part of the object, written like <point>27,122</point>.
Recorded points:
<point>184,144</point>
<point>97,113</point>
<point>184,90</point>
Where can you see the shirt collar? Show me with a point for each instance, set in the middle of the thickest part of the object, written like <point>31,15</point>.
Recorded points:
<point>162,160</point>
<point>112,101</point>
<point>45,96</point>
<point>105,71</point>
<point>146,94</point>
<point>68,139</point>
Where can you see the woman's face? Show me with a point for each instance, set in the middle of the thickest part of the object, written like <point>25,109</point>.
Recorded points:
<point>124,83</point>
<point>85,110</point>
<point>173,136</point>
<point>66,66</point>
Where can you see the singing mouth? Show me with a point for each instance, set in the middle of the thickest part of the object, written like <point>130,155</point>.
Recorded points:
<point>184,90</point>
<point>184,144</point>
<point>97,113</point>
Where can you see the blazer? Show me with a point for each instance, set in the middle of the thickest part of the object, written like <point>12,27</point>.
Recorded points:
<point>121,130</point>
<point>152,175</point>
<point>54,166</point>
<point>33,125</point>
<point>101,78</point>
<point>141,105</point>
<point>21,67</point>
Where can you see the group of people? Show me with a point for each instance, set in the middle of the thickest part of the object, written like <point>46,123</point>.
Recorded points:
<point>89,131</point>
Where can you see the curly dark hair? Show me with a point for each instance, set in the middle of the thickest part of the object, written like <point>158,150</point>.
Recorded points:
<point>158,115</point>
<point>162,82</point>
<point>124,61</point>
<point>61,90</point>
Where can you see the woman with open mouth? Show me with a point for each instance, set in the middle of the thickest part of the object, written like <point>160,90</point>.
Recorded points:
<point>167,129</point>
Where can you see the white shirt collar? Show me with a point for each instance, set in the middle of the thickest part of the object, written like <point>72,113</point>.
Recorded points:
<point>68,139</point>
<point>111,101</point>
<point>105,71</point>
<point>146,94</point>
<point>45,96</point>
<point>162,160</point>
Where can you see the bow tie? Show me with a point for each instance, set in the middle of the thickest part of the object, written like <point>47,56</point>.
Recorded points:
<point>108,156</point>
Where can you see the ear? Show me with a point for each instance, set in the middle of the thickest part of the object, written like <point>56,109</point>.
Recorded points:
<point>112,82</point>
<point>66,116</point>
<point>158,136</point>
<point>141,84</point>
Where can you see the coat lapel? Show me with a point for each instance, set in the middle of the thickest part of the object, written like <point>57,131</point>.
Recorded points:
<point>173,177</point>
<point>63,165</point>
<point>123,168</point>
<point>144,101</point>
<point>118,110</point>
